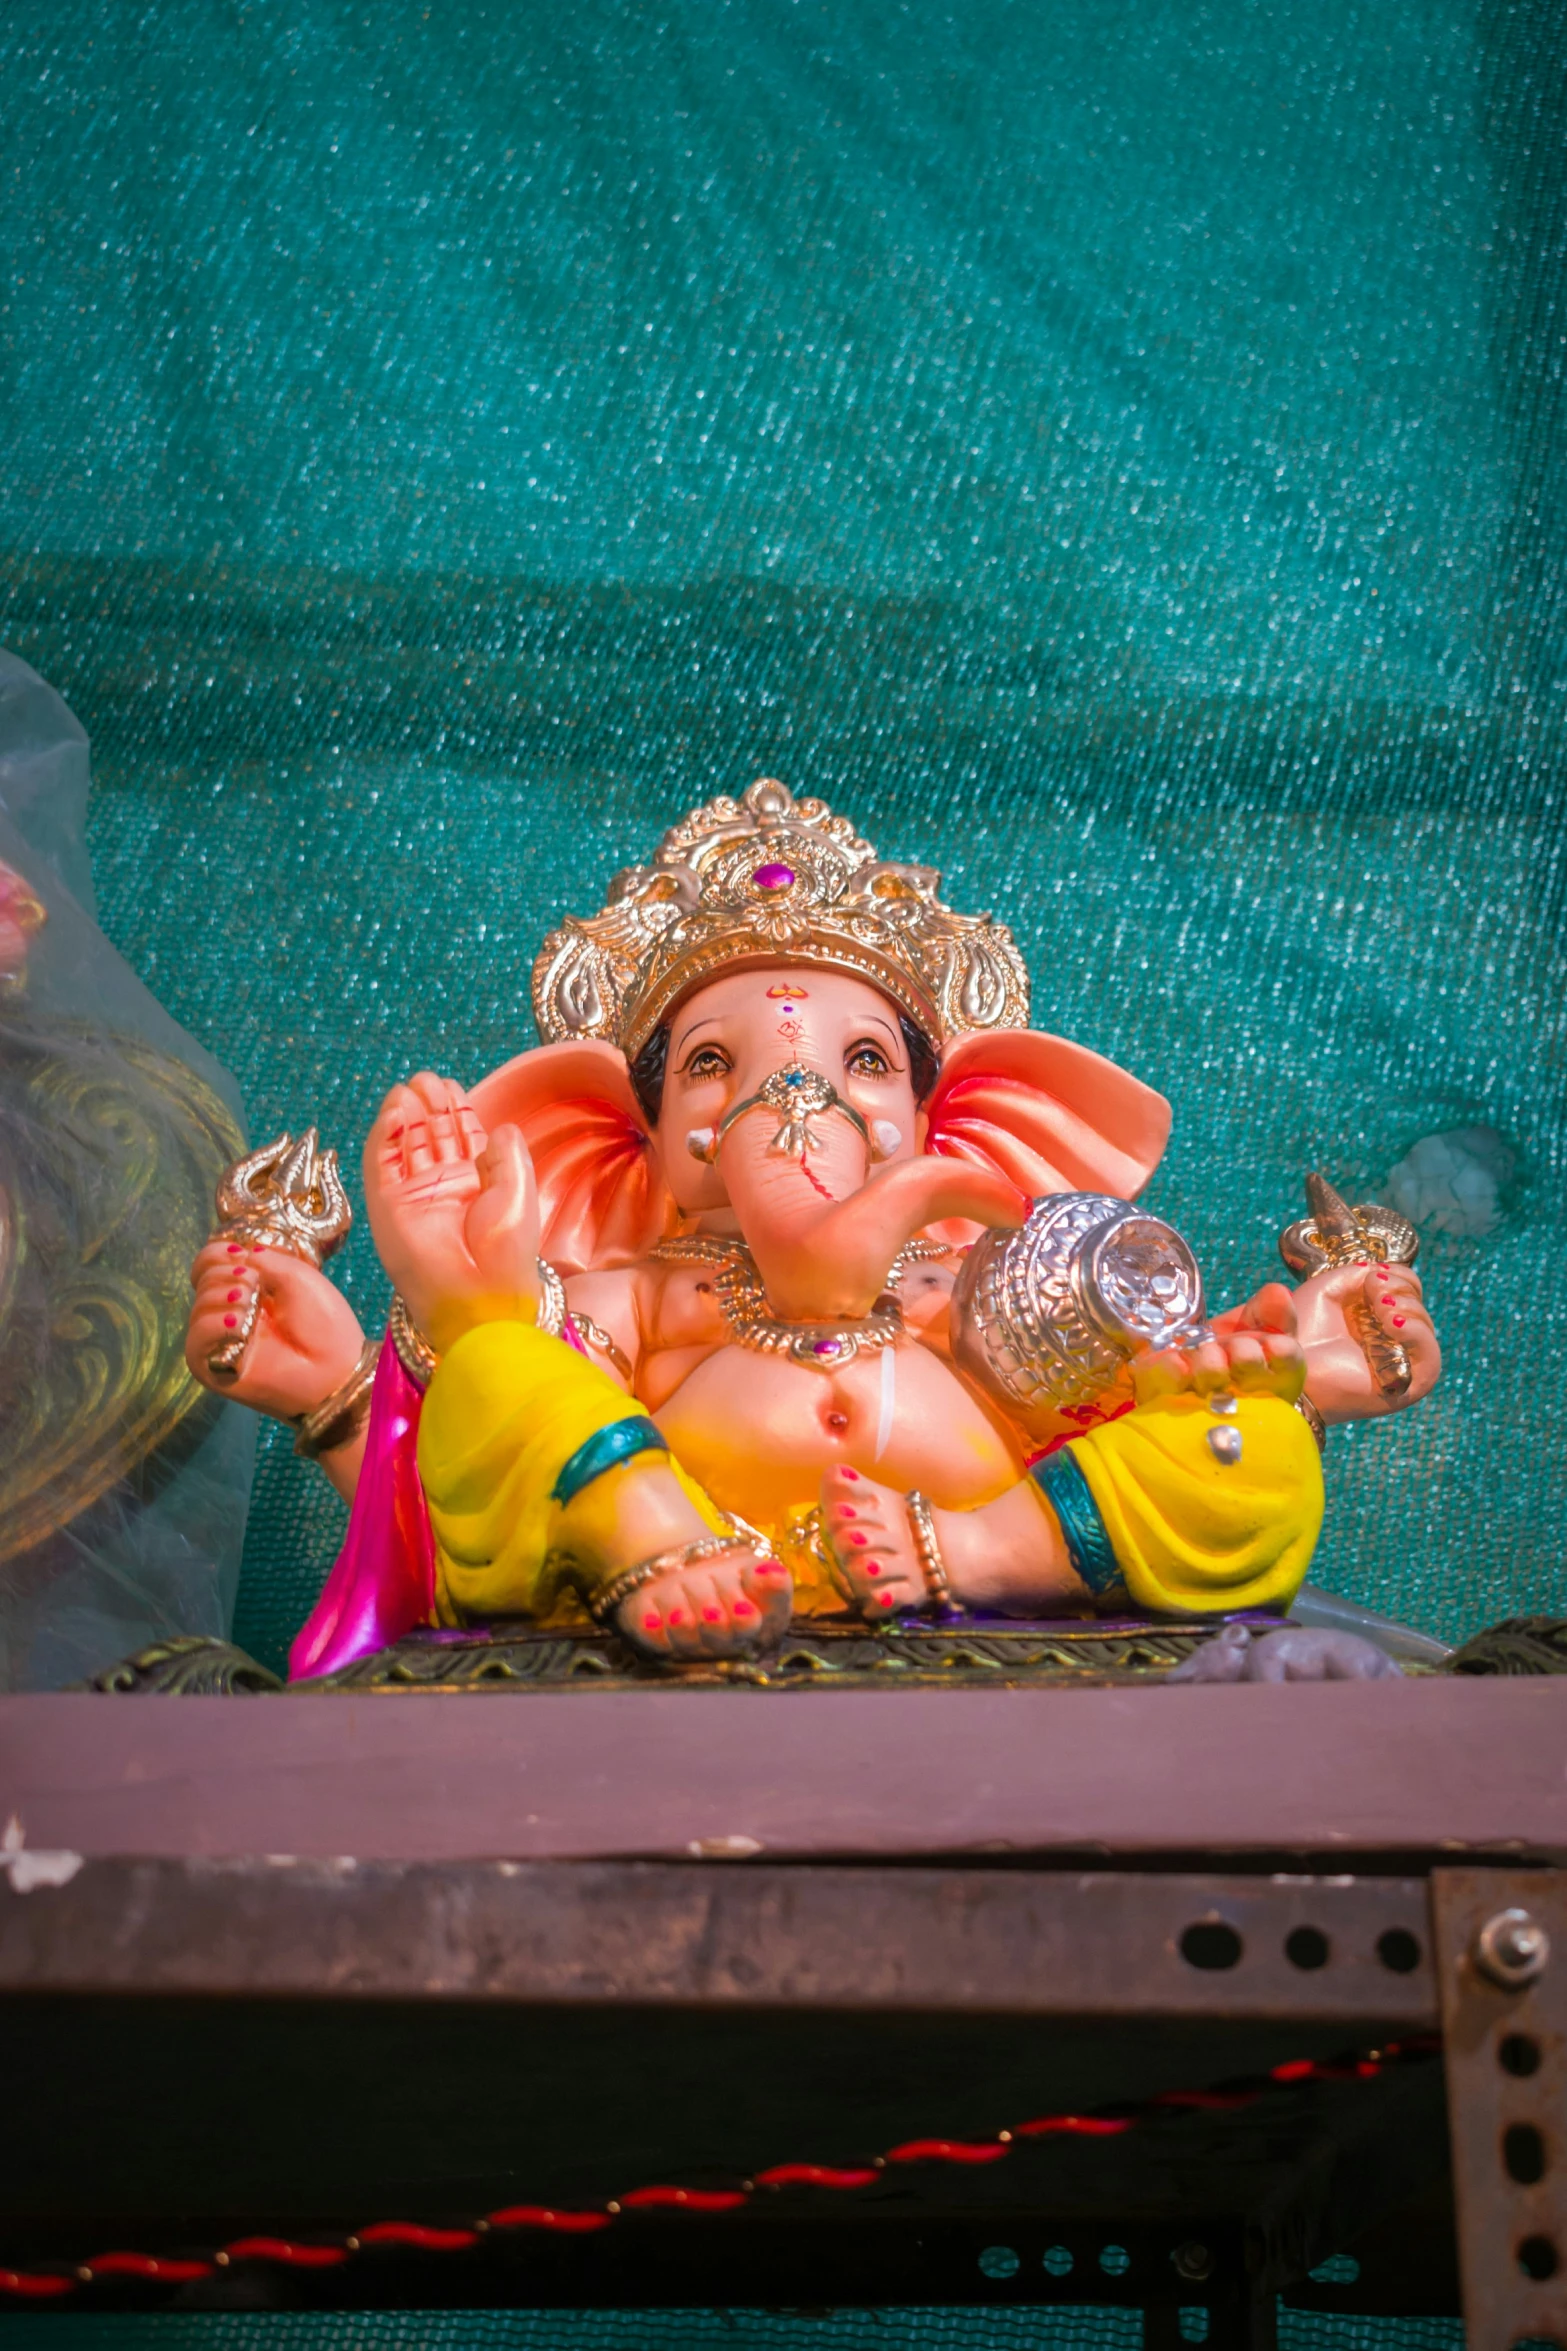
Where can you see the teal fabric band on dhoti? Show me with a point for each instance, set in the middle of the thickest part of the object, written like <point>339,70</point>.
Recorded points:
<point>606,1449</point>
<point>1067,1491</point>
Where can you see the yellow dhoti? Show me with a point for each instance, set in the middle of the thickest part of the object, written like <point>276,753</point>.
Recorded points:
<point>508,1409</point>
<point>1179,1528</point>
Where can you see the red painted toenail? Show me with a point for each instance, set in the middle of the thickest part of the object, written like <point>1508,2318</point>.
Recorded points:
<point>847,1510</point>
<point>744,1608</point>
<point>852,1473</point>
<point>857,1537</point>
<point>677,1616</point>
<point>1398,1321</point>
<point>653,1621</point>
<point>873,1567</point>
<point>1388,1298</point>
<point>886,1599</point>
<point>235,1296</point>
<point>231,1322</point>
<point>713,1615</point>
<point>235,1250</point>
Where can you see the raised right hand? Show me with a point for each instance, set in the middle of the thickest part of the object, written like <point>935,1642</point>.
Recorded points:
<point>454,1212</point>
<point>306,1338</point>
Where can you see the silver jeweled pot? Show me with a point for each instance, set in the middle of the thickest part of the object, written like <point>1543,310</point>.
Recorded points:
<point>1045,1317</point>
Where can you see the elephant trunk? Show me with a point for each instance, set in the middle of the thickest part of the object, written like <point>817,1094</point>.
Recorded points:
<point>824,1232</point>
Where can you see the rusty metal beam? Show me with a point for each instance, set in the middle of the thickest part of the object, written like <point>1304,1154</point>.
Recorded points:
<point>1351,1951</point>
<point>1501,1940</point>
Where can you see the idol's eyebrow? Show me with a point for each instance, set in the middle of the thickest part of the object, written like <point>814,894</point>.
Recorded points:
<point>708,1020</point>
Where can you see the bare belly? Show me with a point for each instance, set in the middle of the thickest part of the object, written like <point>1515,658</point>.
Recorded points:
<point>757,1431</point>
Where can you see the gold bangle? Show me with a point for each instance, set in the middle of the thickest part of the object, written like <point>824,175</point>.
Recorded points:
<point>551,1315</point>
<point>342,1414</point>
<point>1313,1420</point>
<point>928,1551</point>
<point>414,1351</point>
<point>595,1335</point>
<point>419,1358</point>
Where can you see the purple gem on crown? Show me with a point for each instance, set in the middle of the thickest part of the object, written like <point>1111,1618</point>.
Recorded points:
<point>773,877</point>
<point>827,1347</point>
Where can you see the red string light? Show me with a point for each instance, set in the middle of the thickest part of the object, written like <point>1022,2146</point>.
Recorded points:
<point>35,2285</point>
<point>148,2265</point>
<point>42,2285</point>
<point>539,2216</point>
<point>693,2199</point>
<point>1078,2126</point>
<point>812,2175</point>
<point>291,2255</point>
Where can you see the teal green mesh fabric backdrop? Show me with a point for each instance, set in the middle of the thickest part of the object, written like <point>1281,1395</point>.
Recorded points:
<point>1109,446</point>
<point>692,2330</point>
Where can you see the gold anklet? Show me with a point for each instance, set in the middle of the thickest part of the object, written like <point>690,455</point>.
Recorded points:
<point>602,1605</point>
<point>927,1551</point>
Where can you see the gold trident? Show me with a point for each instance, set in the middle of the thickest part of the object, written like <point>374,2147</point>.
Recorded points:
<point>288,1195</point>
<point>1333,1235</point>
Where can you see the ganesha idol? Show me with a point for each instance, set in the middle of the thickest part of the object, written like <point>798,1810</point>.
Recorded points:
<point>793,1275</point>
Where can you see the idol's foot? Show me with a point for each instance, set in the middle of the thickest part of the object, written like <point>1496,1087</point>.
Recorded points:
<point>726,1607</point>
<point>872,1541</point>
<point>723,1605</point>
<point>1007,1555</point>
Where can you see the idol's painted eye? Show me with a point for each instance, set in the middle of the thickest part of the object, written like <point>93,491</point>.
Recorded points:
<point>865,1060</point>
<point>708,1061</point>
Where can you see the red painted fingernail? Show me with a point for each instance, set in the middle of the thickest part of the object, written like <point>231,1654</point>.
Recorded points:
<point>847,1510</point>
<point>852,1473</point>
<point>1388,1298</point>
<point>235,1296</point>
<point>1384,1271</point>
<point>857,1537</point>
<point>713,1615</point>
<point>1399,1321</point>
<point>886,1599</point>
<point>231,1322</point>
<point>235,1250</point>
<point>744,1608</point>
<point>677,1616</point>
<point>652,1620</point>
<point>873,1567</point>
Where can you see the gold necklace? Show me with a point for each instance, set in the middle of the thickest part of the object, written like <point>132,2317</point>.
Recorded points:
<point>821,1346</point>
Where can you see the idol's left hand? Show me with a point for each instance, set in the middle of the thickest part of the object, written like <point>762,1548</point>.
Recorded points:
<point>1351,1318</point>
<point>1254,1350</point>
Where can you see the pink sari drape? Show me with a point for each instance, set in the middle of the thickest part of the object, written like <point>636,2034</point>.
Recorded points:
<point>382,1583</point>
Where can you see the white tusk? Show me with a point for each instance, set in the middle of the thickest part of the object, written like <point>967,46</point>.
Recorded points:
<point>702,1143</point>
<point>886,1137</point>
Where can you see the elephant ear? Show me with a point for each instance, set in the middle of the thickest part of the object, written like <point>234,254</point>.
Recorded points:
<point>1048,1115</point>
<point>602,1197</point>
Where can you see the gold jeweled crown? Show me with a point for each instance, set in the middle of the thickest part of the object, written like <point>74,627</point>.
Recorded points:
<point>771,879</point>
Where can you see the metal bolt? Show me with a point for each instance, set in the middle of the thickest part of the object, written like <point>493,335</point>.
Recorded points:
<point>1225,1444</point>
<point>1512,1949</point>
<point>1192,2260</point>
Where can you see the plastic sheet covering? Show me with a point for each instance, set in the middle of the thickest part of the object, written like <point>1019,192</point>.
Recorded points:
<point>123,1487</point>
<point>1111,448</point>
